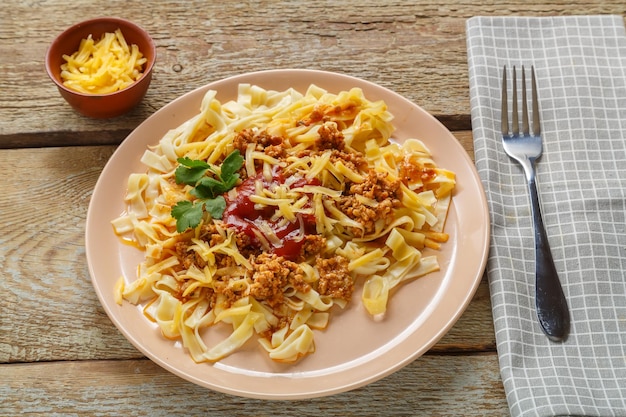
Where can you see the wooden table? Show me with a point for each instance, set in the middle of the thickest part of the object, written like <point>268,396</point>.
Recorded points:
<point>59,352</point>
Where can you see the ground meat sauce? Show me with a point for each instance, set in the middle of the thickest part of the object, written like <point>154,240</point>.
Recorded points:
<point>270,277</point>
<point>335,279</point>
<point>276,268</point>
<point>377,187</point>
<point>330,137</point>
<point>263,142</point>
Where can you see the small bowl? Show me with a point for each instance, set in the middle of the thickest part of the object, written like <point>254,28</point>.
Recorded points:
<point>101,105</point>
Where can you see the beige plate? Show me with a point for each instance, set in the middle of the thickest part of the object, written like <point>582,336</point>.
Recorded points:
<point>354,350</point>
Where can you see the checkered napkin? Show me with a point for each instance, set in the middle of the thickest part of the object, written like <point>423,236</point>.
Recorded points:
<point>580,63</point>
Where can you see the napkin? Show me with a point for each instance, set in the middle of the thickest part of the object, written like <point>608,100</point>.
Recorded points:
<point>580,64</point>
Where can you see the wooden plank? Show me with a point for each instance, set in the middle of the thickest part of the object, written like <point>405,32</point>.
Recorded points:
<point>417,49</point>
<point>49,308</point>
<point>467,386</point>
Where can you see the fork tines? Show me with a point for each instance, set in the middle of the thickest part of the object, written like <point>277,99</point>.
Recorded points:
<point>536,130</point>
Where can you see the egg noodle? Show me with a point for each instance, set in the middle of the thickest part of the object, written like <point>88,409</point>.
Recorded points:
<point>323,200</point>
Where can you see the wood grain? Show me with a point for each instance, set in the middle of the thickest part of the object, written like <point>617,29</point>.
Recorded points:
<point>416,48</point>
<point>430,386</point>
<point>50,311</point>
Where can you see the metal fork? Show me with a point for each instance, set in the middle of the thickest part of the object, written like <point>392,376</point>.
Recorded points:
<point>525,148</point>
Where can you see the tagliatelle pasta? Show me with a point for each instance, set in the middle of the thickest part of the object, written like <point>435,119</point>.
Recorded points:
<point>321,200</point>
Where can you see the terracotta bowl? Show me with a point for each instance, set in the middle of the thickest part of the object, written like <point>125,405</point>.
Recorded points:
<point>101,105</point>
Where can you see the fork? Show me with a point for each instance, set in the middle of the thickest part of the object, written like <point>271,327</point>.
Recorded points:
<point>526,148</point>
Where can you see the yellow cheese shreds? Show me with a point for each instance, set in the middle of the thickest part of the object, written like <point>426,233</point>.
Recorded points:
<point>103,67</point>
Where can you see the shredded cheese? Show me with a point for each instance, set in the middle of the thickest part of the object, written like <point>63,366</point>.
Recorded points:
<point>103,67</point>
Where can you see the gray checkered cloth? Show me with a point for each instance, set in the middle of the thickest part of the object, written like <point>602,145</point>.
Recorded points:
<point>580,63</point>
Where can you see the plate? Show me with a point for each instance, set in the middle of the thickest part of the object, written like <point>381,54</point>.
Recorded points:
<point>354,350</point>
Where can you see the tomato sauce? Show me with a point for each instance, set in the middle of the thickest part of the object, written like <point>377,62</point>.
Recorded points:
<point>242,215</point>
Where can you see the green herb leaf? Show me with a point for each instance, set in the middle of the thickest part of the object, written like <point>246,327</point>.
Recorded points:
<point>193,163</point>
<point>232,163</point>
<point>190,171</point>
<point>231,181</point>
<point>216,207</point>
<point>207,189</point>
<point>187,214</point>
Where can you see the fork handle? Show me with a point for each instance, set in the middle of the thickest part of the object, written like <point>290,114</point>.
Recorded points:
<point>552,310</point>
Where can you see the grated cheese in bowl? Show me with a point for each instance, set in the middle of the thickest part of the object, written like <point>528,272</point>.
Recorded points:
<point>104,66</point>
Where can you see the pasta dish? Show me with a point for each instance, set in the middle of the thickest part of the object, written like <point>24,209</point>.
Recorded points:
<point>261,215</point>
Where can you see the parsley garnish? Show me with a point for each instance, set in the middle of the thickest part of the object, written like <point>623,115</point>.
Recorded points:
<point>208,190</point>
